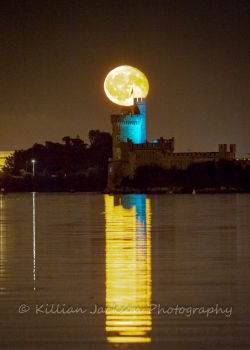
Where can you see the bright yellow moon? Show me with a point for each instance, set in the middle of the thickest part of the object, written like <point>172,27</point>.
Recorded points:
<point>120,83</point>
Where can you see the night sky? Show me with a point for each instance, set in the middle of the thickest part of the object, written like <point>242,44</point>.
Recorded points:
<point>55,55</point>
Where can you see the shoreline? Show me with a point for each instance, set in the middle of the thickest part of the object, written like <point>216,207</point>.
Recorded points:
<point>153,190</point>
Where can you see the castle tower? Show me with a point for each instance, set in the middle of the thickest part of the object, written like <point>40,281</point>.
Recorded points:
<point>141,104</point>
<point>222,151</point>
<point>233,151</point>
<point>129,125</point>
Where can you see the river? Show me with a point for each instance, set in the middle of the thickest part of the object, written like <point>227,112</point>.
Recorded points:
<point>93,271</point>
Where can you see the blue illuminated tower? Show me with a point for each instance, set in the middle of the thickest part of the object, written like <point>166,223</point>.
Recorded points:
<point>129,126</point>
<point>141,105</point>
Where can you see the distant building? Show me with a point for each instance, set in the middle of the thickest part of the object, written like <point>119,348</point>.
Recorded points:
<point>131,149</point>
<point>3,156</point>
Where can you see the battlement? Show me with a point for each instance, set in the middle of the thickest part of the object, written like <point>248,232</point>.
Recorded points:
<point>166,145</point>
<point>223,153</point>
<point>129,122</point>
<point>139,100</point>
<point>126,119</point>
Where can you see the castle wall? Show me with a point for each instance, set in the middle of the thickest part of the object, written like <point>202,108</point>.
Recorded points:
<point>149,156</point>
<point>134,156</point>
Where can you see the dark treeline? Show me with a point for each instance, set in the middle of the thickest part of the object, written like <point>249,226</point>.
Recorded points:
<point>76,166</point>
<point>226,175</point>
<point>71,165</point>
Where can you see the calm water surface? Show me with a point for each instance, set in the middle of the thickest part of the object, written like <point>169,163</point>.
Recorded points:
<point>88,271</point>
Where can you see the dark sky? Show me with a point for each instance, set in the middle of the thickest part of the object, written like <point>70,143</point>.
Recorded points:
<point>55,55</point>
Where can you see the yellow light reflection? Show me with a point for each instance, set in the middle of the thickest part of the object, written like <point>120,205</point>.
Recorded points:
<point>129,340</point>
<point>128,269</point>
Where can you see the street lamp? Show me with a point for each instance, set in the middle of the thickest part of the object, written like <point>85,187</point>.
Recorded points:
<point>33,163</point>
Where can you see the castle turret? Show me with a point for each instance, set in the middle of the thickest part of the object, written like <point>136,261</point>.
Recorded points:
<point>141,104</point>
<point>129,125</point>
<point>233,151</point>
<point>222,151</point>
<point>224,154</point>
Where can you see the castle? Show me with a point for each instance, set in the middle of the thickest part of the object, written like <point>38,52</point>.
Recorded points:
<point>131,149</point>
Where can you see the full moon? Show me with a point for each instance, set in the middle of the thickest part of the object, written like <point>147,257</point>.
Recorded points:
<point>124,83</point>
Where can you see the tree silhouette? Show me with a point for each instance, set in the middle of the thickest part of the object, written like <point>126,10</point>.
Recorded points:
<point>85,166</point>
